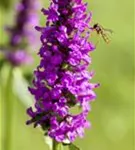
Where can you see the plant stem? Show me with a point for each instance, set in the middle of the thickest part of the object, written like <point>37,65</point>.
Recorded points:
<point>55,145</point>
<point>8,107</point>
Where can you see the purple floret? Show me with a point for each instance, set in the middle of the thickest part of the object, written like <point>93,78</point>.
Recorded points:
<point>61,81</point>
<point>18,57</point>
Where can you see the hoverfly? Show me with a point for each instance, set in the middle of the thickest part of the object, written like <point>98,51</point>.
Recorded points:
<point>102,31</point>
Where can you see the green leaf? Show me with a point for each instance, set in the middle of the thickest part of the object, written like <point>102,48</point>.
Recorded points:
<point>73,147</point>
<point>48,141</point>
<point>20,88</point>
<point>60,146</point>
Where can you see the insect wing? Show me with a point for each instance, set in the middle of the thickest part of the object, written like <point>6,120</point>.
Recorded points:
<point>106,35</point>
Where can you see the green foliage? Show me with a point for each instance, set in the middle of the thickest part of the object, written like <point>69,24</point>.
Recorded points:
<point>73,147</point>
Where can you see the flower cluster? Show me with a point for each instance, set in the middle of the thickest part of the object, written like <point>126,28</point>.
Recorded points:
<point>22,33</point>
<point>61,80</point>
<point>26,18</point>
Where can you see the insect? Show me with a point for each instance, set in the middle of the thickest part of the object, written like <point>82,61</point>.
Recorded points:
<point>102,31</point>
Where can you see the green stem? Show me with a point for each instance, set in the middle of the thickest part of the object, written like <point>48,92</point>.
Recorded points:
<point>56,145</point>
<point>8,108</point>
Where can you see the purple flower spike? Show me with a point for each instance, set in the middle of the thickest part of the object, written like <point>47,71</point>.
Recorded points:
<point>26,19</point>
<point>61,80</point>
<point>22,33</point>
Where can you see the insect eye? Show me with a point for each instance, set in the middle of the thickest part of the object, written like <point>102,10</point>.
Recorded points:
<point>95,26</point>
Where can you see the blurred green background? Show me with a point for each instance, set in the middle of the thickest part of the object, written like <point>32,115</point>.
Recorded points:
<point>112,113</point>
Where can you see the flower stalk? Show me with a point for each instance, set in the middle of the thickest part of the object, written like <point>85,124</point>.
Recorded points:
<point>8,109</point>
<point>55,145</point>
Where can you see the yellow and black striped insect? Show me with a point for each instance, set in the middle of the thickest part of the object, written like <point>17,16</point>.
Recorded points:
<point>102,31</point>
